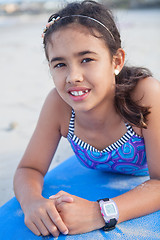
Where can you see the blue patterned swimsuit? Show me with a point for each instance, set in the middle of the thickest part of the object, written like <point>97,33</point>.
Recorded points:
<point>127,155</point>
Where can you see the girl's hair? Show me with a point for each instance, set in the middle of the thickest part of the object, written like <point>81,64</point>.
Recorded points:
<point>128,78</point>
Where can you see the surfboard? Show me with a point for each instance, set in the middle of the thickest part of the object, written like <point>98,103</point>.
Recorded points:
<point>78,180</point>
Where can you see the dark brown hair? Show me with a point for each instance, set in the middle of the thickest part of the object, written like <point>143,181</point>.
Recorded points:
<point>128,78</point>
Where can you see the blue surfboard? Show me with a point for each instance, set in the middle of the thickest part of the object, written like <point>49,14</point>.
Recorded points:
<point>75,179</point>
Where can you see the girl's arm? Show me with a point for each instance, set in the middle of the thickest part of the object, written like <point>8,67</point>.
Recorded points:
<point>41,215</point>
<point>143,199</point>
<point>81,215</point>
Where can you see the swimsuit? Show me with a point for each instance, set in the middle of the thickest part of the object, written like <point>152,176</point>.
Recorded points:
<point>127,155</point>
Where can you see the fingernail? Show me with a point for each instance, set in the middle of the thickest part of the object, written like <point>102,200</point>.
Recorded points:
<point>66,232</point>
<point>52,197</point>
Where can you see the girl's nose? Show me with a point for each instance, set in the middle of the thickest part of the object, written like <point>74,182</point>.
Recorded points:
<point>74,75</point>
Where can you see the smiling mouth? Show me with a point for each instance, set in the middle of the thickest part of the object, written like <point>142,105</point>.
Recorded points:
<point>78,93</point>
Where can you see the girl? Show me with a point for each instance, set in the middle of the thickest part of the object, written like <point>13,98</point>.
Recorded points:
<point>110,114</point>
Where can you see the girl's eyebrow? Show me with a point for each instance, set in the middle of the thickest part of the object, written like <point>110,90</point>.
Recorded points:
<point>77,54</point>
<point>85,52</point>
<point>57,59</point>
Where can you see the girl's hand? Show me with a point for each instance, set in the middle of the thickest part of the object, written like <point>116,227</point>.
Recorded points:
<point>79,215</point>
<point>42,218</point>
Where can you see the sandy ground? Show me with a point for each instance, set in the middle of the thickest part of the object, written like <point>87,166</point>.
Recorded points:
<point>25,80</point>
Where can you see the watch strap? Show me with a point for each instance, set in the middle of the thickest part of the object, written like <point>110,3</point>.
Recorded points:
<point>110,225</point>
<point>104,199</point>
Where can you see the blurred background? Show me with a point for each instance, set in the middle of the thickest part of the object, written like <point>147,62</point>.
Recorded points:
<point>25,79</point>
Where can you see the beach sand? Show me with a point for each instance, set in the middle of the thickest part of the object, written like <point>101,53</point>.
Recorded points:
<point>25,79</point>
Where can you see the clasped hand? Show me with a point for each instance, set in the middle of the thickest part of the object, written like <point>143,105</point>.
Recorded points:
<point>63,213</point>
<point>78,214</point>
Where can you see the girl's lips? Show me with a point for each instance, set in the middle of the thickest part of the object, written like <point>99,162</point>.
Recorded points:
<point>78,94</point>
<point>77,89</point>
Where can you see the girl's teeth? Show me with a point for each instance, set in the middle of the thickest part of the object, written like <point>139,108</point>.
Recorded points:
<point>78,93</point>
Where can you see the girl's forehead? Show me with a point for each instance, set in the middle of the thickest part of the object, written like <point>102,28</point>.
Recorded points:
<point>72,30</point>
<point>76,35</point>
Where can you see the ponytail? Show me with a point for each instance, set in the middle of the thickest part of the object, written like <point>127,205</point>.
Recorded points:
<point>129,109</point>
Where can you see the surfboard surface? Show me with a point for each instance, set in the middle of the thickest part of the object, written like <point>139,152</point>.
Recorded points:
<point>72,177</point>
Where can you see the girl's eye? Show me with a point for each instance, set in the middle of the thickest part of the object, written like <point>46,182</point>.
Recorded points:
<point>59,65</point>
<point>87,60</point>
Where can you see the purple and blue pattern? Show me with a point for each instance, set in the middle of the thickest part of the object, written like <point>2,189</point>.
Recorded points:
<point>130,158</point>
<point>126,156</point>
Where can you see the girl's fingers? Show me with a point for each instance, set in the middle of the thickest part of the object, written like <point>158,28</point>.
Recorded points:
<point>52,229</point>
<point>33,228</point>
<point>37,228</point>
<point>59,194</point>
<point>54,197</point>
<point>56,219</point>
<point>42,228</point>
<point>64,198</point>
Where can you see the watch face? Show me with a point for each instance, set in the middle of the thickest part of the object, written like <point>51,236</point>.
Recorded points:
<point>110,209</point>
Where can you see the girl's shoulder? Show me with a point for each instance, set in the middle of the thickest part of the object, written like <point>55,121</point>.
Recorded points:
<point>58,110</point>
<point>147,91</point>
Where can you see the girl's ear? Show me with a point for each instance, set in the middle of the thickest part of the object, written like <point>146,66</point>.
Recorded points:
<point>118,60</point>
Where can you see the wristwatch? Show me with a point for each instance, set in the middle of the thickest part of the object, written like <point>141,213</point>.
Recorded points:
<point>109,212</point>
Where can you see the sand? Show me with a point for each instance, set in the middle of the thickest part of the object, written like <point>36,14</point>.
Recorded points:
<point>25,79</point>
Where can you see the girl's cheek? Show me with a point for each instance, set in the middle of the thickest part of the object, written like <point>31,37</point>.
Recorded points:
<point>54,75</point>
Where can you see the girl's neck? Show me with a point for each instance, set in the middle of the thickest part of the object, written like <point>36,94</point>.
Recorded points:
<point>98,118</point>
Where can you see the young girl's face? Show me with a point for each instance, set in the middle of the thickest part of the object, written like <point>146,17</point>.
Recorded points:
<point>81,67</point>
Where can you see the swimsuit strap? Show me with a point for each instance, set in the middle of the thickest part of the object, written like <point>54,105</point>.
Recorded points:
<point>71,126</point>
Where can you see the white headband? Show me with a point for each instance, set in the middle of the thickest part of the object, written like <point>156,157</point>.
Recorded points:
<point>83,16</point>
